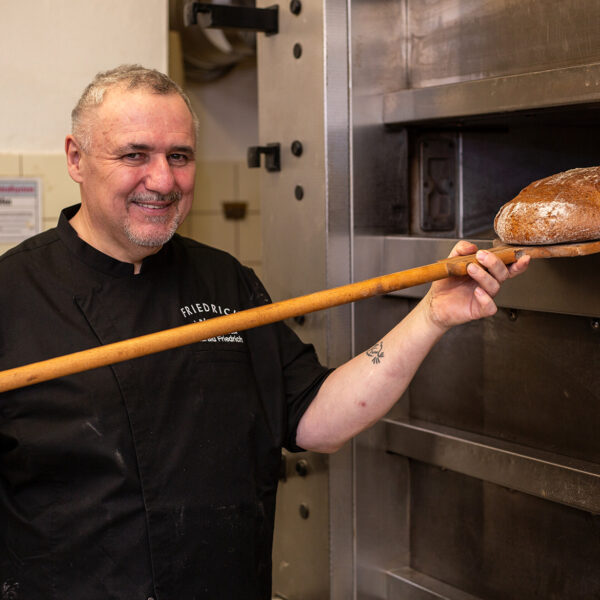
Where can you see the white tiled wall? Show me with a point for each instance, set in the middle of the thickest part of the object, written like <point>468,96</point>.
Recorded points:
<point>58,189</point>
<point>9,165</point>
<point>226,181</point>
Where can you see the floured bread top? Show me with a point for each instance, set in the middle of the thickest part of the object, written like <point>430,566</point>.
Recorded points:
<point>561,208</point>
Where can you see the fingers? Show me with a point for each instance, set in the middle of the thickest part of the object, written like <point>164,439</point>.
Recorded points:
<point>494,265</point>
<point>487,306</point>
<point>489,260</point>
<point>520,266</point>
<point>462,248</point>
<point>492,272</point>
<point>486,282</point>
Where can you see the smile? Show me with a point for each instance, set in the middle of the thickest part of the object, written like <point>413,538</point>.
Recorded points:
<point>154,202</point>
<point>152,206</point>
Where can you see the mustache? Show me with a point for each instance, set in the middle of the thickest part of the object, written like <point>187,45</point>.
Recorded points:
<point>150,197</point>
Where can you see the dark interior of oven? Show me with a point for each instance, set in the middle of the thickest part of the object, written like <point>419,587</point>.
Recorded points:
<point>452,176</point>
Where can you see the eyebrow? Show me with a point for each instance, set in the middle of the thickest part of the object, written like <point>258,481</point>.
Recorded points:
<point>127,148</point>
<point>132,148</point>
<point>183,149</point>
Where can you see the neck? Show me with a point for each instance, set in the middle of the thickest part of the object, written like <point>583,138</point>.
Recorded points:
<point>134,255</point>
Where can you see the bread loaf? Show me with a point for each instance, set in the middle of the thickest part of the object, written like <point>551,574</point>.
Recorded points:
<point>561,208</point>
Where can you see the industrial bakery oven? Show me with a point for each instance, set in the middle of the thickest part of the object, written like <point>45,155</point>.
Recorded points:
<point>403,125</point>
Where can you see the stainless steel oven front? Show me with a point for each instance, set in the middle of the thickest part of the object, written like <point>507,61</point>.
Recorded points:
<point>417,120</point>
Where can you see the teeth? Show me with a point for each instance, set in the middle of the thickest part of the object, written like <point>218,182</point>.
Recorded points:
<point>152,206</point>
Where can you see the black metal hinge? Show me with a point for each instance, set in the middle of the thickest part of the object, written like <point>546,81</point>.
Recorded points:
<point>221,16</point>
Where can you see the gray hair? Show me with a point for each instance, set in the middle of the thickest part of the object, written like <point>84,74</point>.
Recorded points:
<point>131,77</point>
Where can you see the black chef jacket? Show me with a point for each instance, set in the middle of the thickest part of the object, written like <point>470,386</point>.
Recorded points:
<point>154,477</point>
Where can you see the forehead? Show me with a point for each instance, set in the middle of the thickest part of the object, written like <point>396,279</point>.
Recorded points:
<point>134,113</point>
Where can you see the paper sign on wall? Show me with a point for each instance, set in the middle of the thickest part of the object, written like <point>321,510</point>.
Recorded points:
<point>20,209</point>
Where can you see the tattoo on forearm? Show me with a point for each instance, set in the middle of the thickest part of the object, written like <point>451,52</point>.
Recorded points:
<point>376,353</point>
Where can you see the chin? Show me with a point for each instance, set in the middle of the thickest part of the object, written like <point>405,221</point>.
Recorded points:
<point>152,237</point>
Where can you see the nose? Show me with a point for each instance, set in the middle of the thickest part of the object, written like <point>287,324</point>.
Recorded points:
<point>159,176</point>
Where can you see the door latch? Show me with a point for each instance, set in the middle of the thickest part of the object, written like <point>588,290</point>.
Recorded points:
<point>272,154</point>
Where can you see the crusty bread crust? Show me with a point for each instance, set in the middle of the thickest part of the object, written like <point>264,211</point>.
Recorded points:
<point>561,208</point>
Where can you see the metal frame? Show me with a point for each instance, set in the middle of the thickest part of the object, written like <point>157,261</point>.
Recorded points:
<point>310,195</point>
<point>353,111</point>
<point>550,476</point>
<point>545,89</point>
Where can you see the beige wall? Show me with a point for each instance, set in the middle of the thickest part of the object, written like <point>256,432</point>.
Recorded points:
<point>49,51</point>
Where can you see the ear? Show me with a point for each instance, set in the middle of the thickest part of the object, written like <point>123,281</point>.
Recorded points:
<point>73,152</point>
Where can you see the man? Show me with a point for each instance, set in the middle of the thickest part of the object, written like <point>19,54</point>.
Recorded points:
<point>156,478</point>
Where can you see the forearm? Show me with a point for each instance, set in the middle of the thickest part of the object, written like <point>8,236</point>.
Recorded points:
<point>361,391</point>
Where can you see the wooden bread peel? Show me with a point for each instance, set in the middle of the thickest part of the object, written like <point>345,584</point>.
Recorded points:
<point>270,313</point>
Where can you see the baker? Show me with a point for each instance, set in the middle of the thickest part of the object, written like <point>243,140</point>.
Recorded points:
<point>156,477</point>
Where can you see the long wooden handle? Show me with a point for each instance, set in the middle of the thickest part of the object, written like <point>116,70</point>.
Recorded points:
<point>270,313</point>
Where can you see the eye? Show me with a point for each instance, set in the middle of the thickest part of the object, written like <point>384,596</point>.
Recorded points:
<point>177,158</point>
<point>134,157</point>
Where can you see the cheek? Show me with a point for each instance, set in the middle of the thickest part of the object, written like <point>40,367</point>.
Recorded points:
<point>185,205</point>
<point>119,184</point>
<point>185,182</point>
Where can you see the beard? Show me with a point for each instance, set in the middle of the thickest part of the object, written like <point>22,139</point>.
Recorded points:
<point>159,236</point>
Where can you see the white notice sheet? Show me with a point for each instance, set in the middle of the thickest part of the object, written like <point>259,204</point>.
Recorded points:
<point>20,208</point>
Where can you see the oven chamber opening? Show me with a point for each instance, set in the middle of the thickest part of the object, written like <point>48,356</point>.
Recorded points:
<point>456,174</point>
